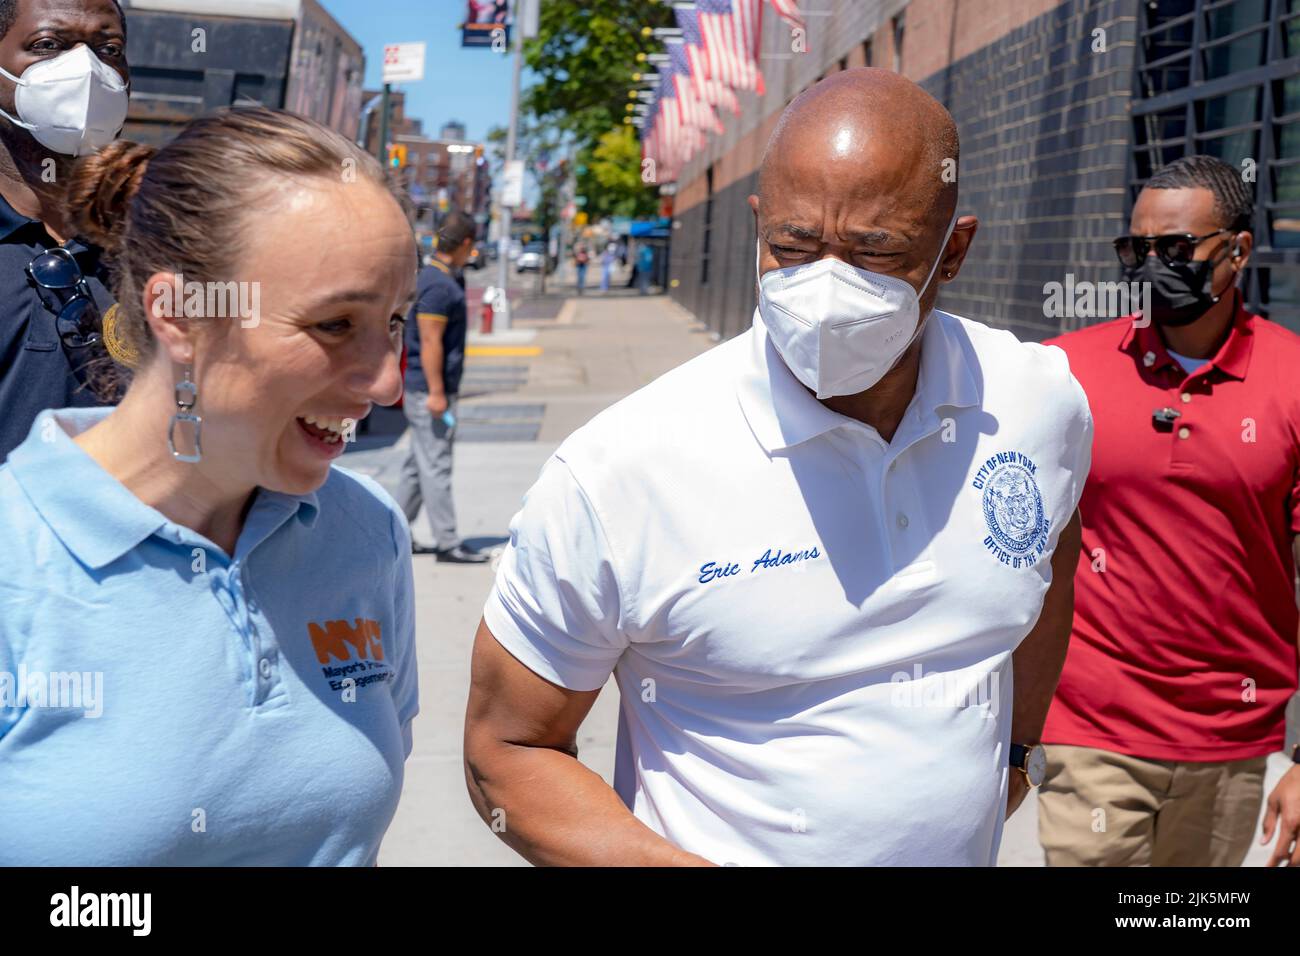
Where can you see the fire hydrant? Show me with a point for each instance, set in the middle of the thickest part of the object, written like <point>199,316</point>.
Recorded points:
<point>485,320</point>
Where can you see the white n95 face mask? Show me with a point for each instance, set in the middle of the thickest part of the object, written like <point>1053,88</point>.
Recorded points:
<point>839,328</point>
<point>73,103</point>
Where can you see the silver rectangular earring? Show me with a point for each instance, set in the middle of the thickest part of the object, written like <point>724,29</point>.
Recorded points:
<point>187,395</point>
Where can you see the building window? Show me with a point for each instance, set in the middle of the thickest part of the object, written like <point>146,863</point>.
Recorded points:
<point>1222,78</point>
<point>898,43</point>
<point>866,52</point>
<point>844,63</point>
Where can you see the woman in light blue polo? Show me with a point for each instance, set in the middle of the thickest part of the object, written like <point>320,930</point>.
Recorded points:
<point>206,629</point>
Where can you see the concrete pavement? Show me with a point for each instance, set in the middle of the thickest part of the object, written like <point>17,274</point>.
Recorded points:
<point>596,351</point>
<point>593,351</point>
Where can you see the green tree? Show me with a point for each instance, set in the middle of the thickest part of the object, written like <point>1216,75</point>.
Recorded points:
<point>583,59</point>
<point>612,182</point>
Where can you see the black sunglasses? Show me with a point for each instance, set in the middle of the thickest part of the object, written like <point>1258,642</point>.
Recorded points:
<point>78,319</point>
<point>1174,249</point>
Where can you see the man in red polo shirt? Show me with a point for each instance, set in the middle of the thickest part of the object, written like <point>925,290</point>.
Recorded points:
<point>1184,650</point>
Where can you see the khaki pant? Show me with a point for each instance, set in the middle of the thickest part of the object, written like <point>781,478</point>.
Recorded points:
<point>1098,808</point>
<point>426,474</point>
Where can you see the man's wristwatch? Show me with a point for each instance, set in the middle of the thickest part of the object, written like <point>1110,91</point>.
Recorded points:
<point>1031,761</point>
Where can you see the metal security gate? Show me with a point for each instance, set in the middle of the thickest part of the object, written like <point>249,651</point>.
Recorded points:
<point>1222,78</point>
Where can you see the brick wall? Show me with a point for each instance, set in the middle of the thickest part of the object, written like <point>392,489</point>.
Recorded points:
<point>1045,145</point>
<point>1046,140</point>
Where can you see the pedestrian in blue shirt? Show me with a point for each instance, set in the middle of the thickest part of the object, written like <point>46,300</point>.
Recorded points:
<point>70,59</point>
<point>206,628</point>
<point>645,263</point>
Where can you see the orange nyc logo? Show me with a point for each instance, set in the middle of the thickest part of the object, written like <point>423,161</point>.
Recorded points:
<point>335,638</point>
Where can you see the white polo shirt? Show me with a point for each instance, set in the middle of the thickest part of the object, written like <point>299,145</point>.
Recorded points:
<point>811,628</point>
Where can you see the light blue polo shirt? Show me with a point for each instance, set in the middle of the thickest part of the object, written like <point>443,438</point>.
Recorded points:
<point>164,704</point>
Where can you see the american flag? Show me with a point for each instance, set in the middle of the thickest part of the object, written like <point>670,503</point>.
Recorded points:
<point>676,149</point>
<point>650,133</point>
<point>707,86</point>
<point>682,112</point>
<point>789,12</point>
<point>731,31</point>
<point>669,126</point>
<point>695,111</point>
<point>658,138</point>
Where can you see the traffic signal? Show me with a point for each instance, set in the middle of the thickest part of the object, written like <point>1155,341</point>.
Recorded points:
<point>397,156</point>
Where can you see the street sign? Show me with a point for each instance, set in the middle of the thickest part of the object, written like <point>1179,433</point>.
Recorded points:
<point>512,184</point>
<point>403,62</point>
<point>529,14</point>
<point>488,23</point>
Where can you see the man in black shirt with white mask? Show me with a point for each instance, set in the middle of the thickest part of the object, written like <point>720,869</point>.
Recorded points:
<point>63,93</point>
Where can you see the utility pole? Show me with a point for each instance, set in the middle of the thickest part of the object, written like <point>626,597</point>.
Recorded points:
<point>506,213</point>
<point>567,191</point>
<point>383,127</point>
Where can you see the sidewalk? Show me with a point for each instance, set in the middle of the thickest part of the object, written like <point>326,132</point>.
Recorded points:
<point>565,361</point>
<point>593,352</point>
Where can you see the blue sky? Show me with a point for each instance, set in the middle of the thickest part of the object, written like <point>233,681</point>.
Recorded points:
<point>471,85</point>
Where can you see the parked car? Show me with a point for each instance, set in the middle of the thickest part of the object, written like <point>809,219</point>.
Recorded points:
<point>532,258</point>
<point>477,257</point>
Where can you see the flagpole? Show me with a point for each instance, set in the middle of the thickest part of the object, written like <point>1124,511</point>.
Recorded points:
<point>502,305</point>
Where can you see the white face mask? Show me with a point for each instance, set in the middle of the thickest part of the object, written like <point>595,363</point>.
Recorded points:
<point>73,103</point>
<point>839,328</point>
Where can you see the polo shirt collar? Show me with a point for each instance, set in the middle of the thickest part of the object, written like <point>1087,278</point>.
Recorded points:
<point>947,378</point>
<point>11,220</point>
<point>783,413</point>
<point>1232,359</point>
<point>93,514</point>
<point>305,507</point>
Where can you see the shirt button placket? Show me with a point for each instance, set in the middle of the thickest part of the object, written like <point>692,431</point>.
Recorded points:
<point>261,642</point>
<point>239,618</point>
<point>227,596</point>
<point>896,500</point>
<point>1182,431</point>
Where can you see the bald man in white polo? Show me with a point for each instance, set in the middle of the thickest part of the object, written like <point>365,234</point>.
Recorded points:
<point>813,558</point>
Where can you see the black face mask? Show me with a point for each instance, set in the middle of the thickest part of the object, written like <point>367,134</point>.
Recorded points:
<point>1181,293</point>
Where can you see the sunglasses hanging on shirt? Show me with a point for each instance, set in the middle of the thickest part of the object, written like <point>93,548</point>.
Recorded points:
<point>77,316</point>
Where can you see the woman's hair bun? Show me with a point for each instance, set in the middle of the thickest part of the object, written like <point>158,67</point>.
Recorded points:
<point>101,189</point>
